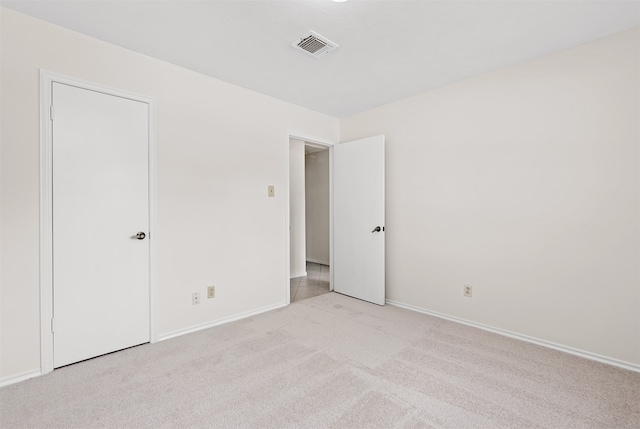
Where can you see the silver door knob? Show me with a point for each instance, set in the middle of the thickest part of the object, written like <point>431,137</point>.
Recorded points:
<point>376,229</point>
<point>140,236</point>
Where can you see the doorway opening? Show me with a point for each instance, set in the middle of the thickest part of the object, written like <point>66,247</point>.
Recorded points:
<point>356,216</point>
<point>309,216</point>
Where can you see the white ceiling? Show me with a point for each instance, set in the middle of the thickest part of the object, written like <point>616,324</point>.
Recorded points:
<point>388,49</point>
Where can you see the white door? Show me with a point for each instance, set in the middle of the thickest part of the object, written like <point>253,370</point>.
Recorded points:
<point>100,203</point>
<point>358,219</point>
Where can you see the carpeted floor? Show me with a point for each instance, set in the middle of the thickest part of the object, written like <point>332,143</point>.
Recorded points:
<point>330,361</point>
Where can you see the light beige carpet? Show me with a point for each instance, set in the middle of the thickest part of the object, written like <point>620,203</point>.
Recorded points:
<point>330,361</point>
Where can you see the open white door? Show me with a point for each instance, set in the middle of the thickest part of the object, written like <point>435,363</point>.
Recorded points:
<point>358,219</point>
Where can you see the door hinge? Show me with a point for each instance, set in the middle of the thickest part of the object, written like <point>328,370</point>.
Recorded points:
<point>52,326</point>
<point>51,112</point>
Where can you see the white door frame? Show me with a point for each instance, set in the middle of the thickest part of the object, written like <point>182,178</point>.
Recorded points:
<point>329,145</point>
<point>47,79</point>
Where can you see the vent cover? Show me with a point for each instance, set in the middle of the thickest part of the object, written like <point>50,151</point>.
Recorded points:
<point>314,44</point>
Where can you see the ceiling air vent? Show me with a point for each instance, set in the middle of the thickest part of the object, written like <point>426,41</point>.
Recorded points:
<point>314,44</point>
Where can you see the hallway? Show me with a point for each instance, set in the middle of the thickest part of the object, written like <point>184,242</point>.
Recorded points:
<point>315,283</point>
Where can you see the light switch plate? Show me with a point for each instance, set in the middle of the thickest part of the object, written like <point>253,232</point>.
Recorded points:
<point>271,191</point>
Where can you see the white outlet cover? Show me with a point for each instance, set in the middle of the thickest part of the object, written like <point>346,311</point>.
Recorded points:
<point>467,290</point>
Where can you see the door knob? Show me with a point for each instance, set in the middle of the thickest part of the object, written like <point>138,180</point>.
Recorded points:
<point>140,236</point>
<point>376,229</point>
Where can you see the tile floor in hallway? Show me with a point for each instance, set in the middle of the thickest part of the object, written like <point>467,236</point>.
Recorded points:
<point>315,283</point>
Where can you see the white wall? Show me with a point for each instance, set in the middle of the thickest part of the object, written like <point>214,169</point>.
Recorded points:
<point>317,206</point>
<point>524,183</point>
<point>219,147</point>
<point>298,266</point>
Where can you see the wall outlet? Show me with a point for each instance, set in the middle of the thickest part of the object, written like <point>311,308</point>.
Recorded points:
<point>195,298</point>
<point>211,292</point>
<point>468,289</point>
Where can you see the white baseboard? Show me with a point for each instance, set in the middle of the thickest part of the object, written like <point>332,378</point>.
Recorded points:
<point>296,275</point>
<point>218,322</point>
<point>19,377</point>
<point>587,355</point>
<point>36,373</point>
<point>318,261</point>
